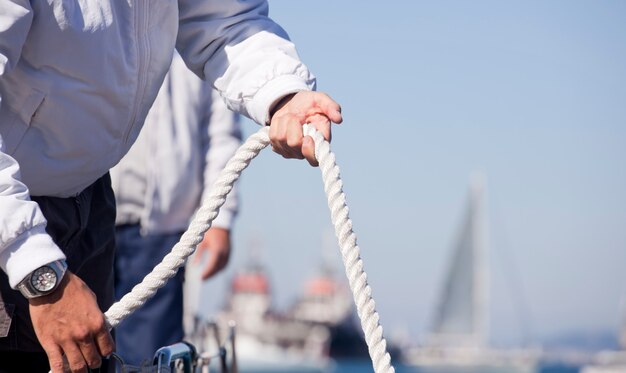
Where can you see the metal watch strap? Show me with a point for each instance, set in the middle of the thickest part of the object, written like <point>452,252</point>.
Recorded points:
<point>28,291</point>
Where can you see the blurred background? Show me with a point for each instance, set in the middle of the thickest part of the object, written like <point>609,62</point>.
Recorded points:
<point>530,94</point>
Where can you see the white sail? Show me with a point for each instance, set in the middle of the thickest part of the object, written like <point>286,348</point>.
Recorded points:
<point>458,343</point>
<point>461,316</point>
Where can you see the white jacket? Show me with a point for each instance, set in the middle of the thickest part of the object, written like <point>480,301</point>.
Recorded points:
<point>77,79</point>
<point>188,137</point>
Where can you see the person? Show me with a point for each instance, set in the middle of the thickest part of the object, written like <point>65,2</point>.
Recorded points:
<point>76,83</point>
<point>188,136</point>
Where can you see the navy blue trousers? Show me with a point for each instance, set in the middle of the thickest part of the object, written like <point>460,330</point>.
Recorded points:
<point>159,322</point>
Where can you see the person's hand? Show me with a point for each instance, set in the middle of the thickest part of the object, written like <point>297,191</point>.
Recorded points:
<point>286,135</point>
<point>69,323</point>
<point>216,244</point>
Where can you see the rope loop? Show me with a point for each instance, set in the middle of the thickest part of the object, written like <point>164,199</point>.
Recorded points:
<point>350,252</point>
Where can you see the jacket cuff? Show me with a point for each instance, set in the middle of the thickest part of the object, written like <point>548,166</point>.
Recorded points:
<point>224,219</point>
<point>29,251</point>
<point>274,90</point>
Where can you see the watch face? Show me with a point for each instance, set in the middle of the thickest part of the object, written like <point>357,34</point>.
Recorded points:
<point>44,279</point>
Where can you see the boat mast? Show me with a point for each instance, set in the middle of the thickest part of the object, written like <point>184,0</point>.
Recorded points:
<point>622,331</point>
<point>480,245</point>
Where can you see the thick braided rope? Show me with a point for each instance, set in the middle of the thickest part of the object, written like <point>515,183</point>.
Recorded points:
<point>357,277</point>
<point>350,252</point>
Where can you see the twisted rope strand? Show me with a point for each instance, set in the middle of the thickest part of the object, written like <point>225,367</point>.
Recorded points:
<point>333,186</point>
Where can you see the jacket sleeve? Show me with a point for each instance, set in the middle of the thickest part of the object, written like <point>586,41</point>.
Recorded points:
<point>24,244</point>
<point>238,48</point>
<point>15,19</point>
<point>222,136</point>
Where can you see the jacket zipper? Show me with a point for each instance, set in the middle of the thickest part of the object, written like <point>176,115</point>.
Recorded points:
<point>143,54</point>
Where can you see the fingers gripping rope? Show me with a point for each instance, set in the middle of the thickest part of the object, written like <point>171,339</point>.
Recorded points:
<point>350,252</point>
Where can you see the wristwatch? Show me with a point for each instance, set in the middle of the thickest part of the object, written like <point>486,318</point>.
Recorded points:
<point>43,280</point>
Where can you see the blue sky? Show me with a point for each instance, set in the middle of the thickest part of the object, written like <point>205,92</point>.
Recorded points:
<point>532,94</point>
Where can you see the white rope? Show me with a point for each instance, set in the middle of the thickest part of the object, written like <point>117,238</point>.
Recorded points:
<point>350,252</point>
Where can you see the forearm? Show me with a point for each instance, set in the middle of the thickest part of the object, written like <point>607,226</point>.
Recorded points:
<point>24,243</point>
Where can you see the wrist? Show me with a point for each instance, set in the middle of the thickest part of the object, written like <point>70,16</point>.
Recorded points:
<point>27,252</point>
<point>279,104</point>
<point>54,295</point>
<point>43,280</point>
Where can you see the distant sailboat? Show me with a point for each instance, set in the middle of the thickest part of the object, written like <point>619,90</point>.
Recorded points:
<point>459,338</point>
<point>461,318</point>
